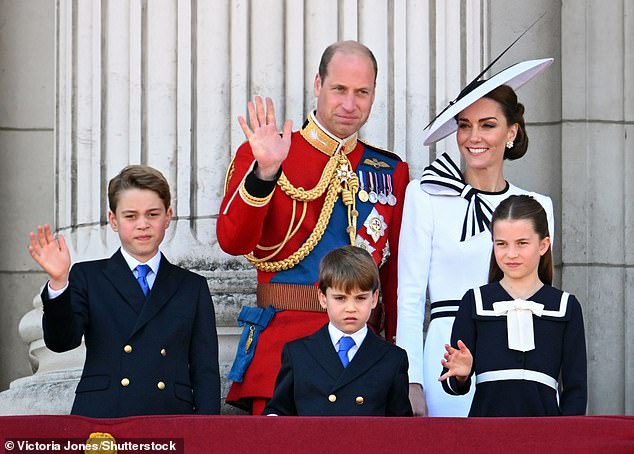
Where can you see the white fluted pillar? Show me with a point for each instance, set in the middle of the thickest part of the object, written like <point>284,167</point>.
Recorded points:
<point>162,82</point>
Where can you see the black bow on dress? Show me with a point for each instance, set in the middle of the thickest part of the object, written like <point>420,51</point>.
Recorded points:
<point>443,177</point>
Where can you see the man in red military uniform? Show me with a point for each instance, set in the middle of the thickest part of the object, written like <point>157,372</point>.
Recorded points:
<point>291,198</point>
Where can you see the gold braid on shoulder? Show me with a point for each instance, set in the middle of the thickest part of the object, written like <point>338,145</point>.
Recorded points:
<point>337,177</point>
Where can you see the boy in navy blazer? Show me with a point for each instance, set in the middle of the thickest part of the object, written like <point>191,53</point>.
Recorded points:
<point>343,369</point>
<point>149,326</point>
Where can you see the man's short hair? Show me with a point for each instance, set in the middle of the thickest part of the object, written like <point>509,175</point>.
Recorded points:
<point>345,47</point>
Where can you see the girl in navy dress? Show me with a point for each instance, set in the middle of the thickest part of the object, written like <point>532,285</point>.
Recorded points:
<point>520,339</point>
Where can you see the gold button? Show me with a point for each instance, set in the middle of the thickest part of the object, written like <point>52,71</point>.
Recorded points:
<point>359,400</point>
<point>127,349</point>
<point>163,352</point>
<point>332,398</point>
<point>125,382</point>
<point>160,385</point>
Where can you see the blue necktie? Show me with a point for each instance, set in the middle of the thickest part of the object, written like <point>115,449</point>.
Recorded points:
<point>142,272</point>
<point>345,344</point>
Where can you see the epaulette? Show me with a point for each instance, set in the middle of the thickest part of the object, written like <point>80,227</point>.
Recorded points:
<point>383,151</point>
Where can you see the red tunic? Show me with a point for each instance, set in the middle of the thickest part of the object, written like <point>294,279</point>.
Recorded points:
<point>248,219</point>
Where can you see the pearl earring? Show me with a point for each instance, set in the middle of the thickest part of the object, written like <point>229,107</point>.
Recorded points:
<point>509,144</point>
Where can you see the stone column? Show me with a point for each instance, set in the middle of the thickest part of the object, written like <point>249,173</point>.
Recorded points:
<point>127,89</point>
<point>598,195</point>
<point>458,53</point>
<point>540,169</point>
<point>161,82</point>
<point>27,32</point>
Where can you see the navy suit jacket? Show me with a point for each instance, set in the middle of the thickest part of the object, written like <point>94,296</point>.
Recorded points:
<point>154,355</point>
<point>313,382</point>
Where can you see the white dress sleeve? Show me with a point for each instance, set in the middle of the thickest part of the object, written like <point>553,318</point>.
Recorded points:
<point>415,246</point>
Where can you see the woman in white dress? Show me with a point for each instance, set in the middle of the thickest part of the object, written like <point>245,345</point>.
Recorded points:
<point>445,242</point>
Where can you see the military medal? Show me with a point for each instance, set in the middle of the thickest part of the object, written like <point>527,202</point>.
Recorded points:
<point>364,244</point>
<point>372,196</point>
<point>362,194</point>
<point>344,172</point>
<point>382,196</point>
<point>375,225</point>
<point>391,198</point>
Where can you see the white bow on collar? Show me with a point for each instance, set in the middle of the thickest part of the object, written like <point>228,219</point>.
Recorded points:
<point>519,322</point>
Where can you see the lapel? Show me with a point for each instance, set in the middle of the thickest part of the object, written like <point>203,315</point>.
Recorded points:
<point>319,345</point>
<point>372,350</point>
<point>122,279</point>
<point>165,286</point>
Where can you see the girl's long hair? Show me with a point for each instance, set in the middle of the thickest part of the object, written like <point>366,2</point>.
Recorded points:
<point>525,207</point>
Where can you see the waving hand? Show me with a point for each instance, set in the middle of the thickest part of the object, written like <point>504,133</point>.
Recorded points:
<point>51,254</point>
<point>269,148</point>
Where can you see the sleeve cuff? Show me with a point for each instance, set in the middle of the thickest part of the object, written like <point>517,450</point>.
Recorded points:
<point>458,388</point>
<point>260,188</point>
<point>257,192</point>
<point>52,294</point>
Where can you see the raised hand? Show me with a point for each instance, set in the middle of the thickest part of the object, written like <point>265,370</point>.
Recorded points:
<point>51,254</point>
<point>269,149</point>
<point>458,362</point>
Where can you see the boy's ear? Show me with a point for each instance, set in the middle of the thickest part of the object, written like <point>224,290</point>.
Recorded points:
<point>322,299</point>
<point>375,298</point>
<point>170,214</point>
<point>112,219</point>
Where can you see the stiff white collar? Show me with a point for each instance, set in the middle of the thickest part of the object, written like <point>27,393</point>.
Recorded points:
<point>336,334</point>
<point>153,263</point>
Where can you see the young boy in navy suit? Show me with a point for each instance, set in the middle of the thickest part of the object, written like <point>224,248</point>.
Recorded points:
<point>343,369</point>
<point>149,326</point>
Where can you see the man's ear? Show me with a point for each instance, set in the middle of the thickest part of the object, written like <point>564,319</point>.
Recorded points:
<point>317,87</point>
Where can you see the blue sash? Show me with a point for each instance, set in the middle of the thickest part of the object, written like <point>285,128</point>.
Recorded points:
<point>306,272</point>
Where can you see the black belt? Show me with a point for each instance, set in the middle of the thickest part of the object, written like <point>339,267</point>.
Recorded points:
<point>448,308</point>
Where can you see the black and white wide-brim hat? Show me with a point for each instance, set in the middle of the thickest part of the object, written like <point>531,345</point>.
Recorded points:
<point>514,76</point>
